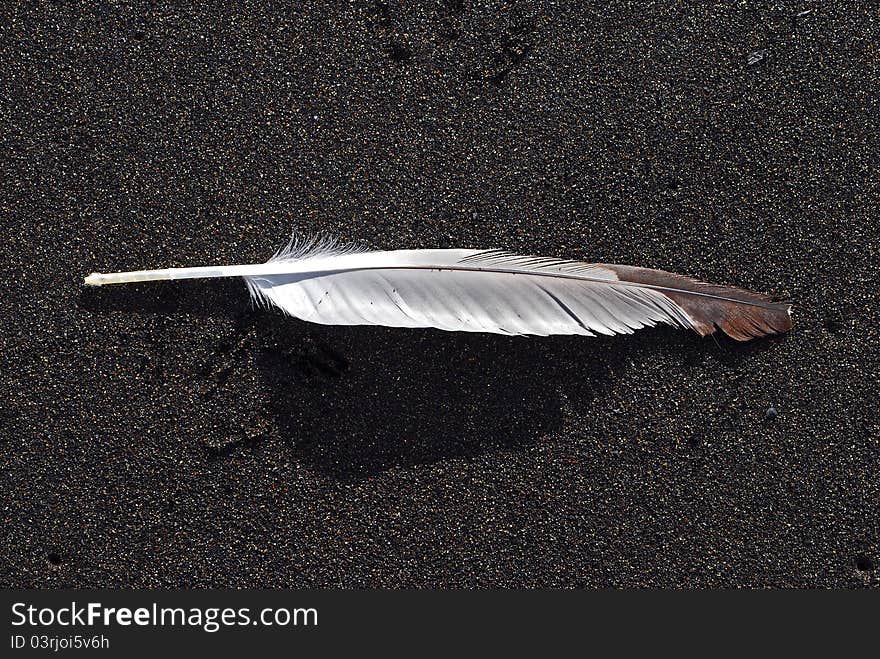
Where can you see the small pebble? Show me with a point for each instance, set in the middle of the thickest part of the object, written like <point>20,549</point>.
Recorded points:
<point>756,57</point>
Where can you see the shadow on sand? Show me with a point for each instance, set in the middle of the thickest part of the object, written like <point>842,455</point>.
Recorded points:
<point>352,402</point>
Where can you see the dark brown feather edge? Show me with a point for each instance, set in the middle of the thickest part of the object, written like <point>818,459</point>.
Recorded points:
<point>739,313</point>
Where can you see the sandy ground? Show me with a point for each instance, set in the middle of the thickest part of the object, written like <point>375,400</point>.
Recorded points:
<point>170,435</point>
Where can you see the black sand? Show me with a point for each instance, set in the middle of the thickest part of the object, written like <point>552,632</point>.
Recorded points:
<point>169,435</point>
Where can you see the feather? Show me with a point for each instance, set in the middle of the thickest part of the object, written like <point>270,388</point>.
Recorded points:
<point>484,291</point>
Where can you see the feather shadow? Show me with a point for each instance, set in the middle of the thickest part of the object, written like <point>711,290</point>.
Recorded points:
<point>200,297</point>
<point>353,402</point>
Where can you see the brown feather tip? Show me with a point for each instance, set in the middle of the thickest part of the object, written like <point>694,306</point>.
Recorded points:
<point>739,313</point>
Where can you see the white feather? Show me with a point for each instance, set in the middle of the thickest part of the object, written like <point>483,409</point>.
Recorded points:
<point>455,290</point>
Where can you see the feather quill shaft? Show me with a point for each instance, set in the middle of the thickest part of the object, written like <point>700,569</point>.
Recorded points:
<point>484,291</point>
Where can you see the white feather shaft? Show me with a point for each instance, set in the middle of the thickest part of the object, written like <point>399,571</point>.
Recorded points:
<point>106,278</point>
